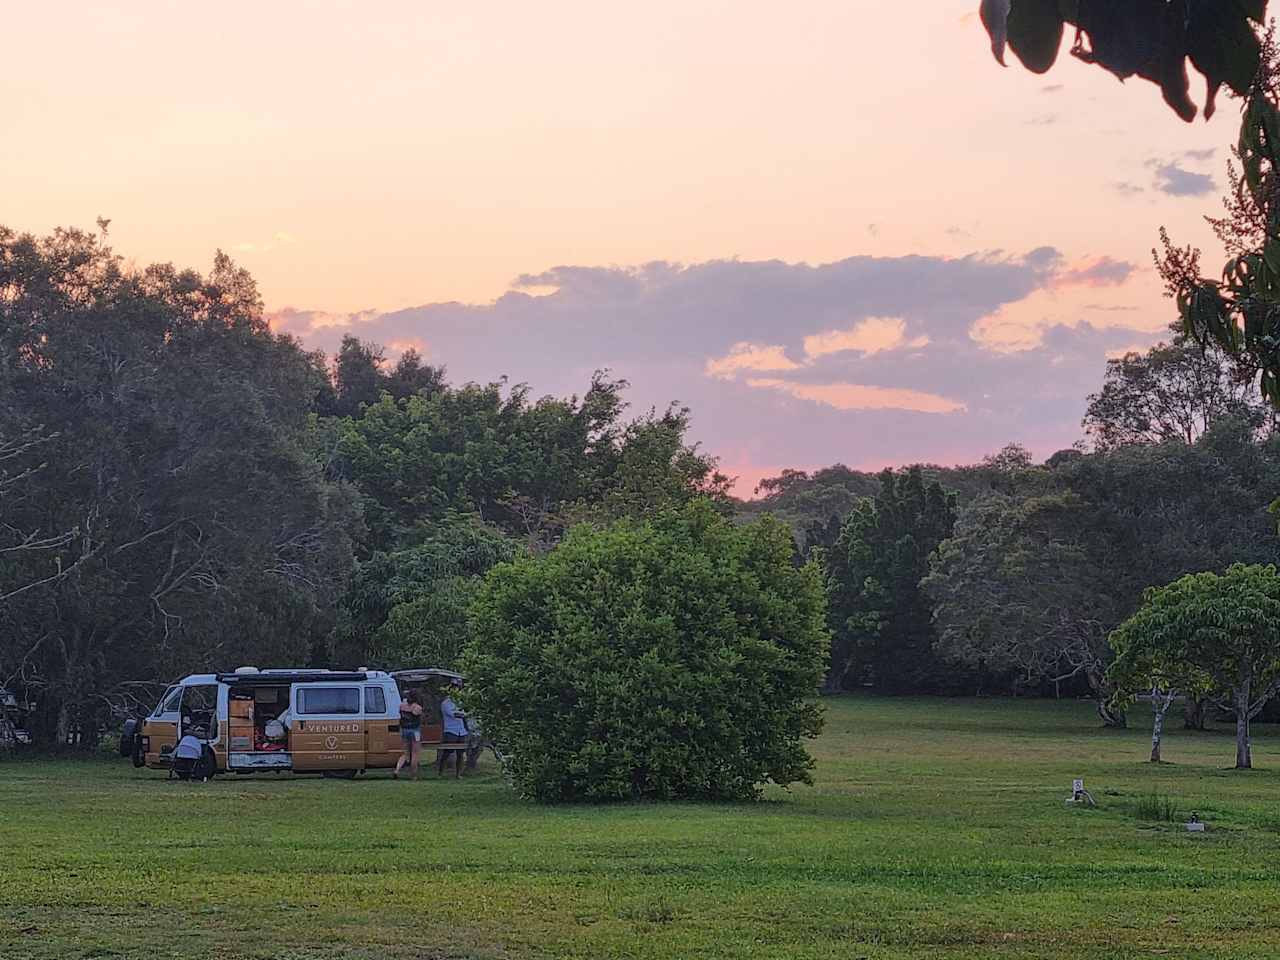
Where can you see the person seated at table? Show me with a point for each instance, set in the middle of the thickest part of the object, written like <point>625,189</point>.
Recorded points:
<point>455,731</point>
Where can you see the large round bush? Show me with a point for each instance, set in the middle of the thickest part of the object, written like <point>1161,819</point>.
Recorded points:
<point>674,658</point>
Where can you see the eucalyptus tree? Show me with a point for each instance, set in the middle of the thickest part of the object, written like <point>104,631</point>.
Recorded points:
<point>1174,391</point>
<point>1022,589</point>
<point>173,445</point>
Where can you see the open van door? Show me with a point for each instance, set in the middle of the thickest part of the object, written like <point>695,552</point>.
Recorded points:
<point>160,729</point>
<point>327,731</point>
<point>382,744</point>
<point>429,681</point>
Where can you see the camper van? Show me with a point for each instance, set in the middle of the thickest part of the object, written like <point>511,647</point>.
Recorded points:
<point>335,723</point>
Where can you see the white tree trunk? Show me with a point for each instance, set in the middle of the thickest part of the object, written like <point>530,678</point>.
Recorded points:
<point>1244,753</point>
<point>1161,705</point>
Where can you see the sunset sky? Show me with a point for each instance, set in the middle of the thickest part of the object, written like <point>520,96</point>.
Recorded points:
<point>836,231</point>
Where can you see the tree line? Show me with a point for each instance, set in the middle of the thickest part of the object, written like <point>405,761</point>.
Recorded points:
<point>182,488</point>
<point>1009,576</point>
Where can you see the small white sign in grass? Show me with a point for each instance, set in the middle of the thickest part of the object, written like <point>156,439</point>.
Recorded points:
<point>1079,794</point>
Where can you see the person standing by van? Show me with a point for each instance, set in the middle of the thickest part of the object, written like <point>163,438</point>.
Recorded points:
<point>410,733</point>
<point>455,730</point>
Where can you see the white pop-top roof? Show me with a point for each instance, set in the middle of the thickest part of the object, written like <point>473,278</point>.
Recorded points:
<point>200,679</point>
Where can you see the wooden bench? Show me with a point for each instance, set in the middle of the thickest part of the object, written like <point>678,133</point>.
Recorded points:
<point>450,747</point>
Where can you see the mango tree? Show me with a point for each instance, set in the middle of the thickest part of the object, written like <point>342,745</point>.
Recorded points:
<point>1142,666</point>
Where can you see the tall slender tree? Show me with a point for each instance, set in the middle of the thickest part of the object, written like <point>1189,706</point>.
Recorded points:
<point>880,621</point>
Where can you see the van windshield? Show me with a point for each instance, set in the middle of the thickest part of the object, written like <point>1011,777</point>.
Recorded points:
<point>169,702</point>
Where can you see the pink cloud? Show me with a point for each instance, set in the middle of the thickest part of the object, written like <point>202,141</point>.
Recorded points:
<point>856,396</point>
<point>872,335</point>
<point>304,323</point>
<point>1100,272</point>
<point>750,356</point>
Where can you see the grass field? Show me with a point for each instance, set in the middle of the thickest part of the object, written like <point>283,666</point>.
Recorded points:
<point>935,829</point>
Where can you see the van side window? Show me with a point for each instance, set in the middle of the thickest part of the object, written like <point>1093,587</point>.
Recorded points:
<point>313,700</point>
<point>169,702</point>
<point>375,701</point>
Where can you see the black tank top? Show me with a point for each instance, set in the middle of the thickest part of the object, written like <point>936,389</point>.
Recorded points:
<point>410,720</point>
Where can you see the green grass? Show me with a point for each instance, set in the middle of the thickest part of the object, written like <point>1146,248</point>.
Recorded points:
<point>935,829</point>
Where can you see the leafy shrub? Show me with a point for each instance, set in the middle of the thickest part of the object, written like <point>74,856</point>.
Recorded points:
<point>674,658</point>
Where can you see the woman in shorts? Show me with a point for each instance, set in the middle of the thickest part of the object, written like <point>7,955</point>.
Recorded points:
<point>410,733</point>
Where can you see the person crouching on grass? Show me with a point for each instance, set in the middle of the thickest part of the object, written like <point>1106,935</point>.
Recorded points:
<point>455,731</point>
<point>410,733</point>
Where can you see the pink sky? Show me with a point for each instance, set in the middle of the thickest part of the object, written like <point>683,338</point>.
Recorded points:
<point>382,165</point>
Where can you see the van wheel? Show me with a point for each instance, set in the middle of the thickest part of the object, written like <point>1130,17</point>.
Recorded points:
<point>341,774</point>
<point>139,758</point>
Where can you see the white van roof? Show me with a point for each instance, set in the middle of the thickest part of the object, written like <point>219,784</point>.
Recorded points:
<point>286,674</point>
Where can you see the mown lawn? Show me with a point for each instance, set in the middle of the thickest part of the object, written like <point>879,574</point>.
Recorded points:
<point>935,829</point>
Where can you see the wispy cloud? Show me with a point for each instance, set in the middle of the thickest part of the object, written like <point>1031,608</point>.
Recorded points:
<point>1172,180</point>
<point>1101,272</point>
<point>857,396</point>
<point>872,335</point>
<point>749,357</point>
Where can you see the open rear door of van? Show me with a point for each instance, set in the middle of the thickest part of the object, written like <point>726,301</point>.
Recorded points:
<point>430,682</point>
<point>327,730</point>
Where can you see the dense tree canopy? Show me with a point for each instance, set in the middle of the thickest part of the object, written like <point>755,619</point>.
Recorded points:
<point>529,467</point>
<point>1019,591</point>
<point>160,460</point>
<point>410,606</point>
<point>1035,579</point>
<point>670,658</point>
<point>360,378</point>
